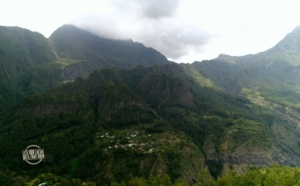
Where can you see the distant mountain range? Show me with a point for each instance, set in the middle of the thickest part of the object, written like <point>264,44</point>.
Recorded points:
<point>31,63</point>
<point>111,109</point>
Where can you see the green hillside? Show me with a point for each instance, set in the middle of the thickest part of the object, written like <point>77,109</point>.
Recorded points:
<point>31,63</point>
<point>81,52</point>
<point>104,120</point>
<point>273,74</point>
<point>141,122</point>
<point>21,52</point>
<point>116,112</point>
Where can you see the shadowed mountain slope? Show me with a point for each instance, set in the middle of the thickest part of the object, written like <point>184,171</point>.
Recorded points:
<point>143,121</point>
<point>21,51</point>
<point>87,52</point>
<point>130,120</point>
<point>30,63</point>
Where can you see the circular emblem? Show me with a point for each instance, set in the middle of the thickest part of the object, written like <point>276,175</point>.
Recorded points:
<point>33,154</point>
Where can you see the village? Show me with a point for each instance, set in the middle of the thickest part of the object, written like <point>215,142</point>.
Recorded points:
<point>131,140</point>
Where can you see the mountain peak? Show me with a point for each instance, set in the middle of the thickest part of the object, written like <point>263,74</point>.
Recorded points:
<point>91,52</point>
<point>291,41</point>
<point>297,29</point>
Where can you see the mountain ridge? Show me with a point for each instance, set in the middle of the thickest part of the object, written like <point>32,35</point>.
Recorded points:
<point>91,52</point>
<point>291,40</point>
<point>112,101</point>
<point>32,63</point>
<point>109,123</point>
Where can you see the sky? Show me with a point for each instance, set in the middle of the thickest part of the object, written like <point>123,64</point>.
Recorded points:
<point>182,30</point>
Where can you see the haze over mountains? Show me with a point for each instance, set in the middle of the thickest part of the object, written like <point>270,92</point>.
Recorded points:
<point>107,109</point>
<point>32,63</point>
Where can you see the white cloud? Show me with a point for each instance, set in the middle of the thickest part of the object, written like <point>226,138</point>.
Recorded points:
<point>183,30</point>
<point>154,23</point>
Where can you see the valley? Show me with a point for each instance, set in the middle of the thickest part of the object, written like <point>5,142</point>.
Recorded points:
<point>113,111</point>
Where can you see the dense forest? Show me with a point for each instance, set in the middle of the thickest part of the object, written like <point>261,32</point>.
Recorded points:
<point>274,175</point>
<point>113,112</point>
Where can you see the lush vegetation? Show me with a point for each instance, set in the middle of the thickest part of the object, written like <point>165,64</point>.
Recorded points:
<point>21,51</point>
<point>31,63</point>
<point>149,122</point>
<point>168,124</point>
<point>269,176</point>
<point>84,52</point>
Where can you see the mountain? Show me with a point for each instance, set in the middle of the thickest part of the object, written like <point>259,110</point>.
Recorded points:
<point>109,111</point>
<point>84,52</point>
<point>112,122</point>
<point>21,52</point>
<point>31,63</point>
<point>140,122</point>
<point>268,80</point>
<point>291,41</point>
<point>276,68</point>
